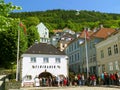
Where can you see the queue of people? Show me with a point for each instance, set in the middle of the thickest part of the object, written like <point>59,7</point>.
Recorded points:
<point>93,80</point>
<point>51,81</point>
<point>80,80</point>
<point>110,79</point>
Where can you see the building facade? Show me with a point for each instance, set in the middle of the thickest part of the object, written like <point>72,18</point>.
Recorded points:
<point>76,50</point>
<point>108,54</point>
<point>62,38</point>
<point>43,33</point>
<point>40,60</point>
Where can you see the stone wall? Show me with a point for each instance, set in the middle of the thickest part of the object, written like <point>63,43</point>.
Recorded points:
<point>12,85</point>
<point>2,84</point>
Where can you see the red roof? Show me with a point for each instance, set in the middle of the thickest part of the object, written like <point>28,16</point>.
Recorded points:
<point>104,32</point>
<point>58,30</point>
<point>90,33</point>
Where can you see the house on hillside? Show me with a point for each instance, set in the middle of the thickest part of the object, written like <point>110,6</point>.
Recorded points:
<point>65,40</point>
<point>42,60</point>
<point>62,37</point>
<point>43,33</point>
<point>56,37</point>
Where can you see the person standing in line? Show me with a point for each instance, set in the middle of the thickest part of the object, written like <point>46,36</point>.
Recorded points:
<point>111,79</point>
<point>117,78</point>
<point>37,82</point>
<point>102,79</point>
<point>79,79</point>
<point>83,79</point>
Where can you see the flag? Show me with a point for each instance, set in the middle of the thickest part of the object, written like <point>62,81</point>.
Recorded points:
<point>86,34</point>
<point>23,27</point>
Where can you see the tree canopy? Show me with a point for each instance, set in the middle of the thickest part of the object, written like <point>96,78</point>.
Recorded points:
<point>9,28</point>
<point>59,19</point>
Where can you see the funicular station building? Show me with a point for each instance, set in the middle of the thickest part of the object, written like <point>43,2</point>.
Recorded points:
<point>42,60</point>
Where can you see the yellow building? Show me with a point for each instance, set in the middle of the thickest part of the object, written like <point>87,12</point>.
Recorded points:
<point>108,54</point>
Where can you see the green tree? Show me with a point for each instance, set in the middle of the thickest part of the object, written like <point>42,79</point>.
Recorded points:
<point>8,47</point>
<point>29,21</point>
<point>8,36</point>
<point>32,35</point>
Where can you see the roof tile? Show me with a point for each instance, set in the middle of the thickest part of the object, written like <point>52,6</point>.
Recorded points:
<point>44,48</point>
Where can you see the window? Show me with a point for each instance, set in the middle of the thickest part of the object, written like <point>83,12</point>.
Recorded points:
<point>45,33</point>
<point>102,53</point>
<point>28,77</point>
<point>72,58</point>
<point>103,68</point>
<point>63,45</point>
<point>109,51</point>
<point>57,60</point>
<point>116,65</point>
<point>116,49</point>
<point>94,58</point>
<point>90,61</point>
<point>45,60</point>
<point>33,59</point>
<point>78,56</point>
<point>75,57</point>
<point>110,66</point>
<point>75,45</point>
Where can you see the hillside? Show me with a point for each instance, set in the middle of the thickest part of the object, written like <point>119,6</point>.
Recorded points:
<point>59,19</point>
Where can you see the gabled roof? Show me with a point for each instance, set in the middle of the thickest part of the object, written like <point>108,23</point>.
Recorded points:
<point>100,33</point>
<point>104,32</point>
<point>42,25</point>
<point>90,33</point>
<point>44,48</point>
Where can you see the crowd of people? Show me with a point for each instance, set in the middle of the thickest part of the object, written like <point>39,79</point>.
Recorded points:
<point>104,79</point>
<point>52,81</point>
<point>81,80</point>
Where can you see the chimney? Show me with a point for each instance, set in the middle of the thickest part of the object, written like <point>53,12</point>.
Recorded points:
<point>101,26</point>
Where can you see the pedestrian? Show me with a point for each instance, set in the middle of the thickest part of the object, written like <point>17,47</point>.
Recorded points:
<point>37,82</point>
<point>79,79</point>
<point>83,79</point>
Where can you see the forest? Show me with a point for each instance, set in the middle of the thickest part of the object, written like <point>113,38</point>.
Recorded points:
<point>75,20</point>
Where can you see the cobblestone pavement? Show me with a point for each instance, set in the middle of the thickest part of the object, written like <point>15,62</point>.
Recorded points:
<point>73,88</point>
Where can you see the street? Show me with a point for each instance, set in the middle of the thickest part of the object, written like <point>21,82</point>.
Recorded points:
<point>73,88</point>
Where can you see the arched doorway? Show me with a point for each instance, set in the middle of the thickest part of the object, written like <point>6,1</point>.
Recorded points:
<point>45,75</point>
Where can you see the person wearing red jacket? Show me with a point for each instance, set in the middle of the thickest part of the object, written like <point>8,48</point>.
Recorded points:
<point>93,78</point>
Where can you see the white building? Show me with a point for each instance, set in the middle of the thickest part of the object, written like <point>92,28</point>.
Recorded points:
<point>42,59</point>
<point>43,33</point>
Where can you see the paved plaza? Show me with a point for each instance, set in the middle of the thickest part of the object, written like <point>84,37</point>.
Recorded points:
<point>73,88</point>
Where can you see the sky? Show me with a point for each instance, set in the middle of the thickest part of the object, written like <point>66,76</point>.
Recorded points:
<point>107,6</point>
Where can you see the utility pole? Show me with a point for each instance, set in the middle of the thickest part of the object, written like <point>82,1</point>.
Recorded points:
<point>18,54</point>
<point>86,51</point>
